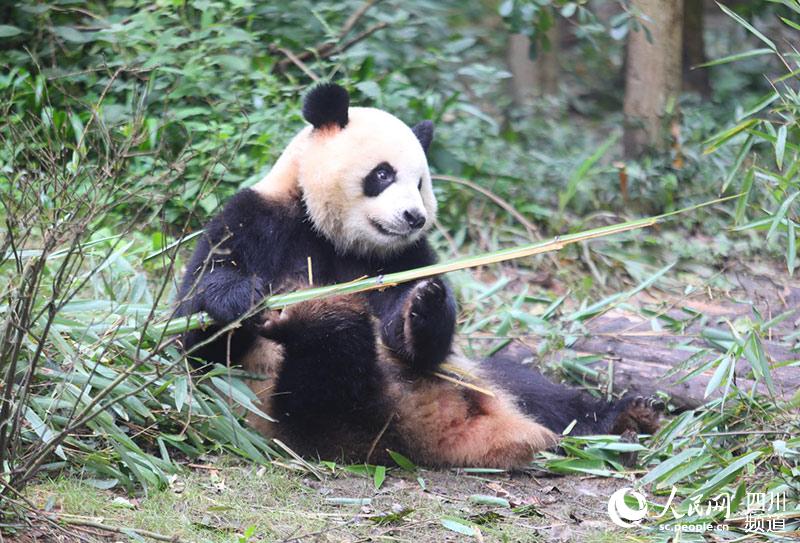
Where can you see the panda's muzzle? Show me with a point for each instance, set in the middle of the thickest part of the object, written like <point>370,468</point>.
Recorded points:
<point>385,231</point>
<point>414,218</point>
<point>406,225</point>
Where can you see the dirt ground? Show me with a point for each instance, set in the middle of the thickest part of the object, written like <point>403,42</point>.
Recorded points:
<point>643,339</point>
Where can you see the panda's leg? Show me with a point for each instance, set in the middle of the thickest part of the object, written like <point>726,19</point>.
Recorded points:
<point>557,406</point>
<point>329,394</point>
<point>447,424</point>
<point>417,321</point>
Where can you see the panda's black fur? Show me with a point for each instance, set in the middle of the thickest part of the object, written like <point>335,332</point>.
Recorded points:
<point>351,368</point>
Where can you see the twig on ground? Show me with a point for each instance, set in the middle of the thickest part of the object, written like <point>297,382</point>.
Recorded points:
<point>124,530</point>
<point>379,436</point>
<point>533,231</point>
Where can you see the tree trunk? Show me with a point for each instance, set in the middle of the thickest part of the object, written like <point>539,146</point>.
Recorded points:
<point>653,75</point>
<point>532,78</point>
<point>694,48</point>
<point>523,70</point>
<point>547,62</point>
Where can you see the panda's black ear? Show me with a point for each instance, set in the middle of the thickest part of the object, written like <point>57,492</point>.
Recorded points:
<point>424,133</point>
<point>326,105</point>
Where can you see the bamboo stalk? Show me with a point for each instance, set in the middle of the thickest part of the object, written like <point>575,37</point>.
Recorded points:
<point>280,301</point>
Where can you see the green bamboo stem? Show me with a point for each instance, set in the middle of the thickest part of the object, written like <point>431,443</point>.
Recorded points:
<point>280,301</point>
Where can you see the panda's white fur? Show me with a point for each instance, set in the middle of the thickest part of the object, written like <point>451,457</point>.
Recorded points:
<point>328,166</point>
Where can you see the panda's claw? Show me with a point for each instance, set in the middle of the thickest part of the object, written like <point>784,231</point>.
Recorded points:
<point>650,402</point>
<point>427,300</point>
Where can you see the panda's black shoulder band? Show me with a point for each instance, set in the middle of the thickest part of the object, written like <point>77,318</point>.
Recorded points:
<point>326,105</point>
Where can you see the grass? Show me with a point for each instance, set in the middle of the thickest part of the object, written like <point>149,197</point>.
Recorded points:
<point>223,503</point>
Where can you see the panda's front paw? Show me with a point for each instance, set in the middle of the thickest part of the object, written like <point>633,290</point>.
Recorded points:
<point>269,324</point>
<point>425,302</point>
<point>316,325</point>
<point>428,323</point>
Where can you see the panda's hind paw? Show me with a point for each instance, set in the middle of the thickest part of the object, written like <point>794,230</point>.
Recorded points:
<point>629,458</point>
<point>640,415</point>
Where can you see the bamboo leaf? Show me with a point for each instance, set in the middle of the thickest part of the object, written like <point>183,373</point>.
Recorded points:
<point>754,353</point>
<point>459,526</point>
<point>181,391</point>
<point>760,105</point>
<point>379,476</point>
<point>670,464</point>
<point>723,369</point>
<point>8,31</point>
<point>743,152</point>
<point>791,23</point>
<point>741,203</point>
<point>580,466</point>
<point>174,244</point>
<point>737,56</point>
<point>239,395</point>
<point>780,146</point>
<point>791,4</point>
<point>721,137</point>
<point>780,214</point>
<point>575,179</point>
<point>42,430</point>
<point>726,474</point>
<point>402,461</point>
<point>748,26</point>
<point>596,308</point>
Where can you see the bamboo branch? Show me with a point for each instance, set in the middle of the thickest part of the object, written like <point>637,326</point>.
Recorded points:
<point>294,59</point>
<point>363,35</point>
<point>355,17</point>
<point>280,301</point>
<point>330,47</point>
<point>533,230</point>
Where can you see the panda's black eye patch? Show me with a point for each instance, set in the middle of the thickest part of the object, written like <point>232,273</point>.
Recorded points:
<point>378,179</point>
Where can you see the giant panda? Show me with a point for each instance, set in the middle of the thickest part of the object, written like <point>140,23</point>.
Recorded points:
<point>353,377</point>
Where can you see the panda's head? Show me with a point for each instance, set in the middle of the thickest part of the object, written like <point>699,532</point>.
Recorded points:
<point>363,174</point>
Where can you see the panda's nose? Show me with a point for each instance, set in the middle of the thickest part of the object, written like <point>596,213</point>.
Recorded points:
<point>414,218</point>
